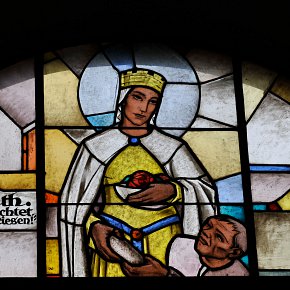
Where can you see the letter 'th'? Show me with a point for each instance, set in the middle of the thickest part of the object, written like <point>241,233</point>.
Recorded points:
<point>10,200</point>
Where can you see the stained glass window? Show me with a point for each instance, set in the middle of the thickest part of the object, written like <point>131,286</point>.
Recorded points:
<point>165,150</point>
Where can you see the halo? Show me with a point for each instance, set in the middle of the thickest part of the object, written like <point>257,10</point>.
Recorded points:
<point>99,86</point>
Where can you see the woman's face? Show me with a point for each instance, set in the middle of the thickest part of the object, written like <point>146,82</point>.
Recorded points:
<point>140,106</point>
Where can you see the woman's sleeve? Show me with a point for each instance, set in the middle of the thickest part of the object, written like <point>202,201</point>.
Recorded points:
<point>198,194</point>
<point>178,190</point>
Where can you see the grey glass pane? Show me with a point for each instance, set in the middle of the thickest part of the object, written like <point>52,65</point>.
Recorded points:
<point>218,101</point>
<point>10,144</point>
<point>269,187</point>
<point>51,222</point>
<point>272,240</point>
<point>78,56</point>
<point>18,253</point>
<point>269,134</point>
<point>208,64</point>
<point>17,92</point>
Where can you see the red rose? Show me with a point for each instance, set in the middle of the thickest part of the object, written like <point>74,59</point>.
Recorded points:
<point>141,179</point>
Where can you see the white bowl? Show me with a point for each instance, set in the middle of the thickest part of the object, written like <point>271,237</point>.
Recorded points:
<point>123,192</point>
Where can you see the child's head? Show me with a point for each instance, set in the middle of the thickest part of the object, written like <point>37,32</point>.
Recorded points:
<point>221,240</point>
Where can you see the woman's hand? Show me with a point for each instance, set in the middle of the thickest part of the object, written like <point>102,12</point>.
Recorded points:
<point>156,192</point>
<point>101,234</point>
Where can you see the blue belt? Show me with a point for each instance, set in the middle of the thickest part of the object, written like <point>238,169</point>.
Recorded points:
<point>137,234</point>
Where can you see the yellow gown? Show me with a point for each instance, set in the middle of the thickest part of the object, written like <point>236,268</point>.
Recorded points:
<point>102,161</point>
<point>129,160</point>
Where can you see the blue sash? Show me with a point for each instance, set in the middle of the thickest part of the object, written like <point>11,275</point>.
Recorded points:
<point>138,242</point>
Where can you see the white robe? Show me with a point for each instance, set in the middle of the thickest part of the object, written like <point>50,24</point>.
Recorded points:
<point>84,179</point>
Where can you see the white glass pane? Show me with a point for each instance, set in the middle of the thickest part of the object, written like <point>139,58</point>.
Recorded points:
<point>18,253</point>
<point>218,101</point>
<point>269,134</point>
<point>10,144</point>
<point>17,92</point>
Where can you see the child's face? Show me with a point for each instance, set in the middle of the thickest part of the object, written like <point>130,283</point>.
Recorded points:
<point>216,239</point>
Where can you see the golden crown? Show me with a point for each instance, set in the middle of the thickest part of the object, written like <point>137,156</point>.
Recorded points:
<point>142,78</point>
